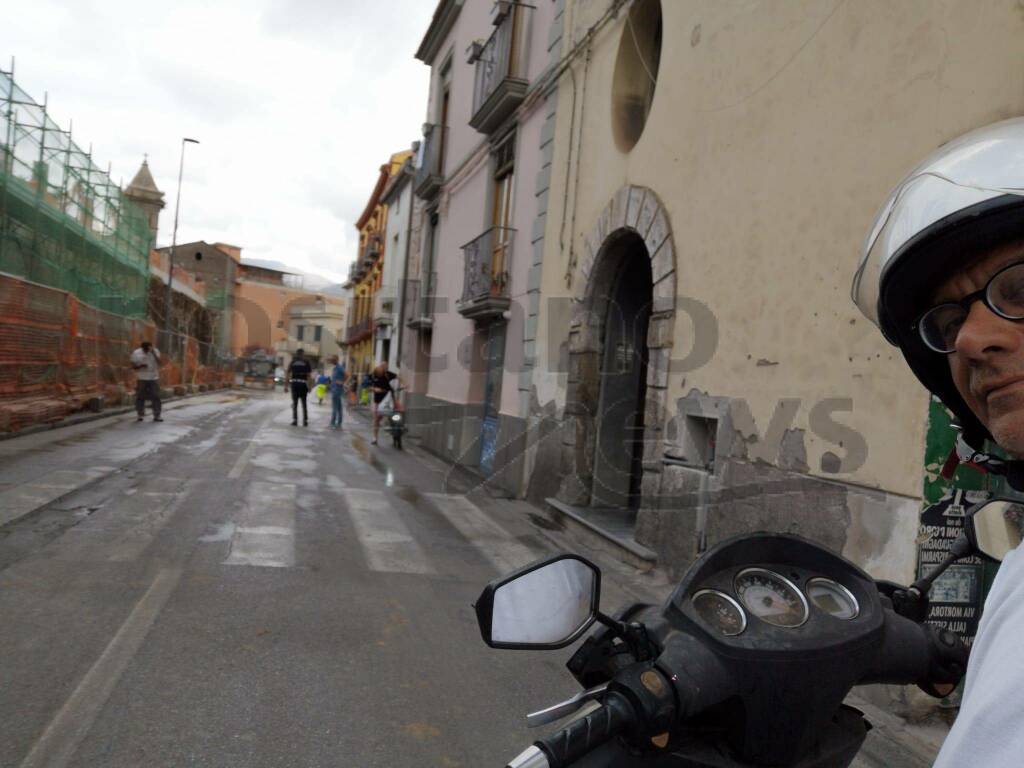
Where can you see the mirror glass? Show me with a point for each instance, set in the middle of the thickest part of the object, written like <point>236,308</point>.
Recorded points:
<point>997,528</point>
<point>545,606</point>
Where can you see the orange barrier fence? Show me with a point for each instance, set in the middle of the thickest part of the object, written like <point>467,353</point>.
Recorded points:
<point>59,355</point>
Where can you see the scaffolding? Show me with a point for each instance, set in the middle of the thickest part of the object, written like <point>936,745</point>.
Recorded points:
<point>63,222</point>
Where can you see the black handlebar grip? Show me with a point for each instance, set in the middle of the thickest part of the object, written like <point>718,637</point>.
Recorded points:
<point>581,736</point>
<point>948,662</point>
<point>917,654</point>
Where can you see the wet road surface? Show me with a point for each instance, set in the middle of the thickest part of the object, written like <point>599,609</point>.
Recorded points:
<point>229,590</point>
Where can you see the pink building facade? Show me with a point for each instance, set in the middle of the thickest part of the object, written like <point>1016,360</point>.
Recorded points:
<point>482,174</point>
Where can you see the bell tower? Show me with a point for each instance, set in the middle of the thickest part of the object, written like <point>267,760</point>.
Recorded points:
<point>143,192</point>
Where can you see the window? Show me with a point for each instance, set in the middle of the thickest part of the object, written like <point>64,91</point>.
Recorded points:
<point>501,211</point>
<point>504,168</point>
<point>299,330</point>
<point>636,72</point>
<point>317,331</point>
<point>443,105</point>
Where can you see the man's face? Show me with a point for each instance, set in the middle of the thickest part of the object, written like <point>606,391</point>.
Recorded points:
<point>988,362</point>
<point>145,346</point>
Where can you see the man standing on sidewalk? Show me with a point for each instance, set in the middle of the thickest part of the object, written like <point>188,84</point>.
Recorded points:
<point>298,376</point>
<point>146,362</point>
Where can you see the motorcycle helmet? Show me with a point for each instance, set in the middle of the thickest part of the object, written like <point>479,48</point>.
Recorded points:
<point>964,199</point>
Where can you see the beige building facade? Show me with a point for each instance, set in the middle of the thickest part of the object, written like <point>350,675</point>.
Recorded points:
<point>699,368</point>
<point>318,329</point>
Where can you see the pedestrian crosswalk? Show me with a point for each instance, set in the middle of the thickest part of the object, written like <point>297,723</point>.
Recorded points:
<point>264,531</point>
<point>496,544</point>
<point>387,543</point>
<point>264,534</point>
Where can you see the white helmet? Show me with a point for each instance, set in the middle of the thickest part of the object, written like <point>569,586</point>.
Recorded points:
<point>965,198</point>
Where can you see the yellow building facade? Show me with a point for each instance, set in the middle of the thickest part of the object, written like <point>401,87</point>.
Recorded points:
<point>364,277</point>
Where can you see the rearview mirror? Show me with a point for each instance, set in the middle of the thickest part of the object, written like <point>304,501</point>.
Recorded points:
<point>546,605</point>
<point>994,528</point>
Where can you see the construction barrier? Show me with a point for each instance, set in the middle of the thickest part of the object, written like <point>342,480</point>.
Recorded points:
<point>59,355</point>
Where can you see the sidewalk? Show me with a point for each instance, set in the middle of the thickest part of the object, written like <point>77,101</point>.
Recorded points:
<point>97,447</point>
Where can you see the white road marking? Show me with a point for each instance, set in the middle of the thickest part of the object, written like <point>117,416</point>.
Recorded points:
<point>240,463</point>
<point>140,535</point>
<point>388,545</point>
<point>265,530</point>
<point>71,724</point>
<point>495,543</point>
<point>246,456</point>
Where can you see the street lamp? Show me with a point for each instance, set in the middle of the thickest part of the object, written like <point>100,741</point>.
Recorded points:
<point>174,237</point>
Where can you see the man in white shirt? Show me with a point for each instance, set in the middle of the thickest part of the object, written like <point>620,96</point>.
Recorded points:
<point>146,362</point>
<point>942,275</point>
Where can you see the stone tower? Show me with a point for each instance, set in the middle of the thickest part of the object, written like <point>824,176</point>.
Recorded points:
<point>143,192</point>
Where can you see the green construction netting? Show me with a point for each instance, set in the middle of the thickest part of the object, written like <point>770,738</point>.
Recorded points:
<point>63,222</point>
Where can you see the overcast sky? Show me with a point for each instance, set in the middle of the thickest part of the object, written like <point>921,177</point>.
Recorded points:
<point>296,104</point>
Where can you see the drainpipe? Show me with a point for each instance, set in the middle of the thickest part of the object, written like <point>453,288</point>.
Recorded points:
<point>405,276</point>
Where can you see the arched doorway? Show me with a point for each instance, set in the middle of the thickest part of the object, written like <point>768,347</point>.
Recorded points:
<point>619,342</point>
<point>619,419</point>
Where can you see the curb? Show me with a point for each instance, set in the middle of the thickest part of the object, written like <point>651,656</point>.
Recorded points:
<point>85,418</point>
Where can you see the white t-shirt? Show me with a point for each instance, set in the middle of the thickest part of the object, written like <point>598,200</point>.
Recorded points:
<point>151,372</point>
<point>988,731</point>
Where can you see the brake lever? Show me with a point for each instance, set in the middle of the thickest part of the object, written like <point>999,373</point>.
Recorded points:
<point>567,707</point>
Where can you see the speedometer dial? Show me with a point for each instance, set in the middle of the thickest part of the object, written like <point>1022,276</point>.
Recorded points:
<point>720,611</point>
<point>833,598</point>
<point>771,597</point>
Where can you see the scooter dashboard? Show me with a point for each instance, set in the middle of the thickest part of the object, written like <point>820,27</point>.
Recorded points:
<point>804,598</point>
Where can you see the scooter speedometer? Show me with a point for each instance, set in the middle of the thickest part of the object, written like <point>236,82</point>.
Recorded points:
<point>771,597</point>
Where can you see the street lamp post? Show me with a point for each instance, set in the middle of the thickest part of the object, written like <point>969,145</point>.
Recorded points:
<point>174,238</point>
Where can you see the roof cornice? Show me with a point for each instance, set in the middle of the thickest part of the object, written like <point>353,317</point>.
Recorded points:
<point>440,25</point>
<point>374,200</point>
<point>397,182</point>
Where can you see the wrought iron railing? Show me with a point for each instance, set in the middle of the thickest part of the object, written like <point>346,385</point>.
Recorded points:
<point>430,173</point>
<point>487,265</point>
<point>503,56</point>
<point>358,331</point>
<point>371,251</point>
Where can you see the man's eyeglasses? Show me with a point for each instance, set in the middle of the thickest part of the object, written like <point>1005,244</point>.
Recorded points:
<point>1003,294</point>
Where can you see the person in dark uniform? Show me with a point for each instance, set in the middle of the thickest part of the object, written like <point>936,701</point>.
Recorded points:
<point>298,376</point>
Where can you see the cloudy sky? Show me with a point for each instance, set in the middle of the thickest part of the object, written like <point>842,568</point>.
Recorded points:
<point>296,104</point>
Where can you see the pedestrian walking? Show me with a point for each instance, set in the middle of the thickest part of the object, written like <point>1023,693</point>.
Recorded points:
<point>380,384</point>
<point>146,361</point>
<point>298,377</point>
<point>323,381</point>
<point>337,391</point>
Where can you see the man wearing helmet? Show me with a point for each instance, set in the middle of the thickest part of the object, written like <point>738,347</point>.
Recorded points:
<point>942,275</point>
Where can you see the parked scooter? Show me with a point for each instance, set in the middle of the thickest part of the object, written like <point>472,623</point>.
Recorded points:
<point>747,664</point>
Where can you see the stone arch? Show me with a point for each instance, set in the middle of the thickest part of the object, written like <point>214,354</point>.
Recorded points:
<point>638,212</point>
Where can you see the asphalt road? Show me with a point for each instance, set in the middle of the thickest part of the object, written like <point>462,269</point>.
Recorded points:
<point>231,590</point>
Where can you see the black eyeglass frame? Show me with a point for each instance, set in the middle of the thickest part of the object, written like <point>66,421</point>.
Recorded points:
<point>965,304</point>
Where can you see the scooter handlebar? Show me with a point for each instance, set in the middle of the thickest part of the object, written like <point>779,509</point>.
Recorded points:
<point>920,654</point>
<point>564,748</point>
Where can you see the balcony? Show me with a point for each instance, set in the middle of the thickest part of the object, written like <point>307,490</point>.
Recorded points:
<point>419,303</point>
<point>485,292</point>
<point>371,251</point>
<point>501,81</point>
<point>430,174</point>
<point>359,331</point>
<point>384,307</point>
